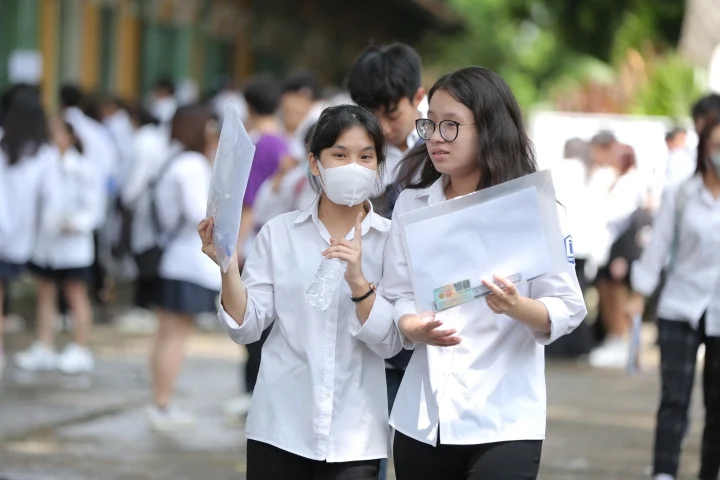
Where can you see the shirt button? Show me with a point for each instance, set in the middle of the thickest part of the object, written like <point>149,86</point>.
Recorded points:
<point>327,394</point>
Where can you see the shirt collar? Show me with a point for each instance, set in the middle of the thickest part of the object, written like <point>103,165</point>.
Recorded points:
<point>435,192</point>
<point>372,219</point>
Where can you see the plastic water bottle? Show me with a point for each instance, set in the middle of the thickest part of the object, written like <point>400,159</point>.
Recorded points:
<point>327,279</point>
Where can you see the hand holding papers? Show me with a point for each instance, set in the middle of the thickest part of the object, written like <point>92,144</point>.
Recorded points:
<point>230,177</point>
<point>511,230</point>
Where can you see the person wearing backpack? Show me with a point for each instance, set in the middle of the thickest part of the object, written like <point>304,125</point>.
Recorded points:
<point>687,231</point>
<point>187,282</point>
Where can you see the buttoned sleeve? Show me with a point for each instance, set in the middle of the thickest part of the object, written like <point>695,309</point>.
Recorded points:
<point>562,297</point>
<point>379,332</point>
<point>645,272</point>
<point>397,285</point>
<point>258,282</point>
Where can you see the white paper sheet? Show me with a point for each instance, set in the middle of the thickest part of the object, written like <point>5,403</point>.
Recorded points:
<point>514,231</point>
<point>231,171</point>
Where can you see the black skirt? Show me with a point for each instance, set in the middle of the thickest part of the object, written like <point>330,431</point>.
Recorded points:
<point>10,271</point>
<point>81,274</point>
<point>185,298</point>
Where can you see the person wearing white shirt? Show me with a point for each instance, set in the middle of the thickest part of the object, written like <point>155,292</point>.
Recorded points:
<point>188,282</point>
<point>25,156</point>
<point>472,403</point>
<point>64,255</point>
<point>319,409</point>
<point>624,217</point>
<point>681,162</point>
<point>686,231</point>
<point>387,80</point>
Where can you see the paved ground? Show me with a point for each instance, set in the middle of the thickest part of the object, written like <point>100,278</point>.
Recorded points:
<point>51,427</point>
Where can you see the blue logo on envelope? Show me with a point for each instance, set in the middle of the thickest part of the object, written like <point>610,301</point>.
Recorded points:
<point>569,252</point>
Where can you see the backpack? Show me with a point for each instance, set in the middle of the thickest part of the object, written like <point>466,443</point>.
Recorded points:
<point>148,261</point>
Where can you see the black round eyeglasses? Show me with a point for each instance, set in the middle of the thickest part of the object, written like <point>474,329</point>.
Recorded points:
<point>449,129</point>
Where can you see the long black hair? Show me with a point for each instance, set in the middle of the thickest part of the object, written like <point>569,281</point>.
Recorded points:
<point>711,124</point>
<point>334,121</point>
<point>25,126</point>
<point>505,151</point>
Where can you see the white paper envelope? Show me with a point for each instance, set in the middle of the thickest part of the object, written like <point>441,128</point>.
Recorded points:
<point>508,230</point>
<point>231,171</point>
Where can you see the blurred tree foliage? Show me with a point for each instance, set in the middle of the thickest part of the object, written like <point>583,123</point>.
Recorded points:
<point>547,49</point>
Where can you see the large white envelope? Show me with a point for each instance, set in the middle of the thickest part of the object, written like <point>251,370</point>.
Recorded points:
<point>508,230</point>
<point>231,171</point>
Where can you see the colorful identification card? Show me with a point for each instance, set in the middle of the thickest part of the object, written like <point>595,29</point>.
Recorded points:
<point>461,292</point>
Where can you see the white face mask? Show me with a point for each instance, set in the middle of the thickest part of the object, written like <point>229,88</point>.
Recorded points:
<point>349,184</point>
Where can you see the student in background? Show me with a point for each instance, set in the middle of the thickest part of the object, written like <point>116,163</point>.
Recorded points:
<point>472,402</point>
<point>263,96</point>
<point>300,106</point>
<point>387,80</point>
<point>685,231</point>
<point>25,157</point>
<point>64,255</point>
<point>188,282</point>
<point>624,216</point>
<point>319,409</point>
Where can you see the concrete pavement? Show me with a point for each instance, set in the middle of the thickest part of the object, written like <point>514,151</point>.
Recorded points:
<point>600,423</point>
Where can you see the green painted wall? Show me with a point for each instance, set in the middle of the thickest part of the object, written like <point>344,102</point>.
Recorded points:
<point>19,21</point>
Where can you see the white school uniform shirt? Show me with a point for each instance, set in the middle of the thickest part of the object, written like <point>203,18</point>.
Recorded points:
<point>491,387</point>
<point>72,199</point>
<point>693,284</point>
<point>394,155</point>
<point>99,148</point>
<point>181,196</point>
<point>22,186</point>
<point>321,390</point>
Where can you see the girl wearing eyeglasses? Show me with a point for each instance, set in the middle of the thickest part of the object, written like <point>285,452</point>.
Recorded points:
<point>472,403</point>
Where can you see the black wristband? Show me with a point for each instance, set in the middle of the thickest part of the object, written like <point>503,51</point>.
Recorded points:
<point>360,299</point>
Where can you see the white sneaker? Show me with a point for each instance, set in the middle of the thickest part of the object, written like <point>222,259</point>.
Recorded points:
<point>75,360</point>
<point>663,476</point>
<point>237,407</point>
<point>169,419</point>
<point>613,353</point>
<point>37,358</point>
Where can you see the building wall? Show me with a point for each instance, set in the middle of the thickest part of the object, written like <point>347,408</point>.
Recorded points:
<point>123,46</point>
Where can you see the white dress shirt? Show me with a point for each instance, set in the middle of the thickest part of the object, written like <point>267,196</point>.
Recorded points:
<point>71,201</point>
<point>491,387</point>
<point>99,147</point>
<point>321,389</point>
<point>22,186</point>
<point>394,155</point>
<point>181,196</point>
<point>693,284</point>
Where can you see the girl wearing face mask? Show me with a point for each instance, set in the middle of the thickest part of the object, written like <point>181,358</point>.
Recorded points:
<point>472,402</point>
<point>319,409</point>
<point>686,231</point>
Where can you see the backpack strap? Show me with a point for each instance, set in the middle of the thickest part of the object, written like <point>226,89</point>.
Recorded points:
<point>152,187</point>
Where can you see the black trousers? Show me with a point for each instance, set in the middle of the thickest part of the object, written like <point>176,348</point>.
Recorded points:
<point>266,462</point>
<point>678,353</point>
<point>518,460</point>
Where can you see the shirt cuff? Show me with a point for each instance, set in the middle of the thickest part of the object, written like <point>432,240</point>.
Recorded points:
<point>642,281</point>
<point>402,308</point>
<point>559,321</point>
<point>235,332</point>
<point>378,324</point>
